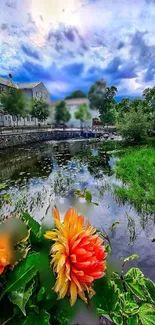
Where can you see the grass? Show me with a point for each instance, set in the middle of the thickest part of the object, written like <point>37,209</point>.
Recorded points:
<point>136,169</point>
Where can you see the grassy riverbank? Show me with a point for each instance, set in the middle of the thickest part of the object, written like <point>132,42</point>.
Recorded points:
<point>136,169</point>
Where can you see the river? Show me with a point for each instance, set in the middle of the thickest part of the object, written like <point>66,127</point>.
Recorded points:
<point>40,175</point>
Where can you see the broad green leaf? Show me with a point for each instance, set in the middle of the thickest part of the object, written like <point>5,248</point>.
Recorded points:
<point>134,281</point>
<point>151,289</point>
<point>22,273</point>
<point>43,319</point>
<point>106,297</point>
<point>21,296</point>
<point>130,258</point>
<point>46,275</point>
<point>33,224</point>
<point>101,311</point>
<point>115,224</point>
<point>40,294</point>
<point>147,314</point>
<point>118,281</point>
<point>128,305</point>
<point>88,196</point>
<point>133,320</point>
<point>118,319</point>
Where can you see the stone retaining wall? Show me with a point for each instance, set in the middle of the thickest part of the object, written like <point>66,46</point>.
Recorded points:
<point>10,140</point>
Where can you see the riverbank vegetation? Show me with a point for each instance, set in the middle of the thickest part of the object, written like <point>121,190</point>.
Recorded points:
<point>134,118</point>
<point>136,169</point>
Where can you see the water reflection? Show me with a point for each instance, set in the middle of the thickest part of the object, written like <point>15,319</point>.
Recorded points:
<point>44,174</point>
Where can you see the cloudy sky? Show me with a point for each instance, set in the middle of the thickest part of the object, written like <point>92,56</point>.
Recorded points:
<point>69,44</point>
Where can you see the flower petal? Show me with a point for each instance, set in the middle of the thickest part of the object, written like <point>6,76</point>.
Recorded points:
<point>52,235</point>
<point>73,293</point>
<point>55,213</point>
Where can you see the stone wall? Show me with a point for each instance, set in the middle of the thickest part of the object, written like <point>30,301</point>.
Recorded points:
<point>10,140</point>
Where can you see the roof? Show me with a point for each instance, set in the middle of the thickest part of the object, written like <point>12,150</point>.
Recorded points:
<point>7,82</point>
<point>28,85</point>
<point>70,102</point>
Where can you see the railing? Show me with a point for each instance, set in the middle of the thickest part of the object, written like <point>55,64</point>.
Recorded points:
<point>29,129</point>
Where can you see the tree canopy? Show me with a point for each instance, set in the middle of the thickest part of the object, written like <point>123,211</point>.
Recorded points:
<point>133,125</point>
<point>77,94</point>
<point>13,101</point>
<point>101,98</point>
<point>40,109</point>
<point>82,113</point>
<point>62,114</point>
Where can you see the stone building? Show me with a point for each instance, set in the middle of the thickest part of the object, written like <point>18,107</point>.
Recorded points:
<point>31,90</point>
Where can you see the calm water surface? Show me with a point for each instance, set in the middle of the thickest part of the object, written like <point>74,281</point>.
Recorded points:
<point>41,175</point>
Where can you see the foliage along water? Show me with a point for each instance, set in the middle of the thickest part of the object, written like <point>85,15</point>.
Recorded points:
<point>38,176</point>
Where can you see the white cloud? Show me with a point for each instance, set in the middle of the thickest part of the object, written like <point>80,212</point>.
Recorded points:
<point>101,26</point>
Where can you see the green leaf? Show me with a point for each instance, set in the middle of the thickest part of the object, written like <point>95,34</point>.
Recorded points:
<point>115,224</point>
<point>134,281</point>
<point>43,318</point>
<point>33,224</point>
<point>22,273</point>
<point>88,196</point>
<point>2,186</point>
<point>106,297</point>
<point>147,314</point>
<point>133,320</point>
<point>115,277</point>
<point>21,296</point>
<point>95,203</point>
<point>40,294</point>
<point>130,258</point>
<point>151,289</point>
<point>108,249</point>
<point>128,305</point>
<point>77,192</point>
<point>118,320</point>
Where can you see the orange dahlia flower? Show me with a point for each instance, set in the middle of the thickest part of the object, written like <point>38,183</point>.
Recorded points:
<point>5,252</point>
<point>78,256</point>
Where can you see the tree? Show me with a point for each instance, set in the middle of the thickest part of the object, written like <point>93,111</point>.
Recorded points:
<point>101,97</point>
<point>61,113</point>
<point>77,94</point>
<point>82,113</point>
<point>13,102</point>
<point>149,95</point>
<point>133,125</point>
<point>123,107</point>
<point>40,109</point>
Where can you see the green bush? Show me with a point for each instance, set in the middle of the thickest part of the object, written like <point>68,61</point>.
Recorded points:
<point>136,169</point>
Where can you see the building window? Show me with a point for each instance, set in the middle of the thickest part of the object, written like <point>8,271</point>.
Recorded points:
<point>32,119</point>
<point>28,118</point>
<point>44,95</point>
<point>37,94</point>
<point>6,117</point>
<point>14,118</point>
<point>1,89</point>
<point>40,94</point>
